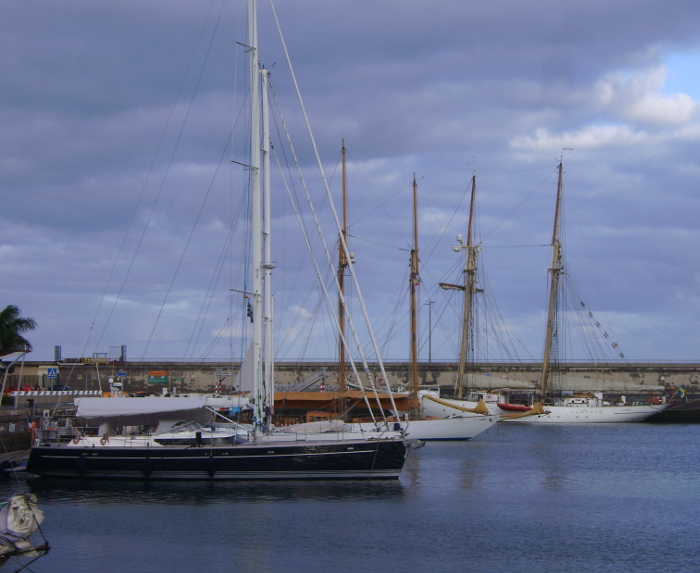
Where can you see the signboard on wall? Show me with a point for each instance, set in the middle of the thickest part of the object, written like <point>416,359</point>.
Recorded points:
<point>158,377</point>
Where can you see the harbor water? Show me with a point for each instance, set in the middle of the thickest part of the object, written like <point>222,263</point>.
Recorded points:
<point>526,498</point>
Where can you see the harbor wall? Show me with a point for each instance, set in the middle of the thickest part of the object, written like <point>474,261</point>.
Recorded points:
<point>178,377</point>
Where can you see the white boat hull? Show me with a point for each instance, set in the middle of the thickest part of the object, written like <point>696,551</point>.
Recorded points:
<point>589,414</point>
<point>573,414</point>
<point>455,428</point>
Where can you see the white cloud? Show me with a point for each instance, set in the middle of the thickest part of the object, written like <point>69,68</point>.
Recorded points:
<point>638,97</point>
<point>589,137</point>
<point>627,101</point>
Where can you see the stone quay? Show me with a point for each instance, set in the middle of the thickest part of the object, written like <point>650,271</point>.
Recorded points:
<point>159,377</point>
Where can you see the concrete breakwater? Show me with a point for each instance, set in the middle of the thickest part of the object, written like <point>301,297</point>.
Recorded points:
<point>181,377</point>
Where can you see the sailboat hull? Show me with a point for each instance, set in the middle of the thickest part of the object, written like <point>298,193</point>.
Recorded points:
<point>573,414</point>
<point>456,428</point>
<point>366,459</point>
<point>589,414</point>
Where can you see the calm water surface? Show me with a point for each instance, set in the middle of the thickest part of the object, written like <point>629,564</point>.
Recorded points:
<point>519,499</point>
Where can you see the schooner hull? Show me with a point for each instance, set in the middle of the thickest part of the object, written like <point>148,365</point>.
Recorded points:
<point>575,414</point>
<point>365,459</point>
<point>589,415</point>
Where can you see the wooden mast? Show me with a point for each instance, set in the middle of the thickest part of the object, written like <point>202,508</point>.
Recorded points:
<point>414,282</point>
<point>469,290</point>
<point>342,265</point>
<point>556,271</point>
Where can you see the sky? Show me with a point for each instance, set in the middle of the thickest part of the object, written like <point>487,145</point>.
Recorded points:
<point>124,202</point>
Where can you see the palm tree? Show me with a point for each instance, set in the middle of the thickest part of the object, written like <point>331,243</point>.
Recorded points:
<point>12,325</point>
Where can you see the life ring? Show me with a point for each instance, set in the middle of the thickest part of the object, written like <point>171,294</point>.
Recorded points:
<point>104,440</point>
<point>76,440</point>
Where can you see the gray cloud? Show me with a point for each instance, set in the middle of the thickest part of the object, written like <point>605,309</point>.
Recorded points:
<point>108,109</point>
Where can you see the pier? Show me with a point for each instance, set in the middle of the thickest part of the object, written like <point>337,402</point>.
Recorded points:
<point>134,377</point>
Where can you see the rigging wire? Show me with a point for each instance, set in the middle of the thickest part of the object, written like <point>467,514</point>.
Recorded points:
<point>289,287</point>
<point>382,205</point>
<point>326,297</point>
<point>442,230</point>
<point>406,250</point>
<point>384,378</point>
<point>318,273</point>
<point>235,216</point>
<point>218,271</point>
<point>136,207</point>
<point>514,209</point>
<point>184,251</point>
<point>143,188</point>
<point>393,324</point>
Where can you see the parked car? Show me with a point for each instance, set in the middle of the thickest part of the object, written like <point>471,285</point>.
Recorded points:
<point>21,388</point>
<point>60,388</point>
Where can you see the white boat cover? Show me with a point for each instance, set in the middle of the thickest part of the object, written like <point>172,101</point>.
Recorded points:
<point>146,410</point>
<point>19,518</point>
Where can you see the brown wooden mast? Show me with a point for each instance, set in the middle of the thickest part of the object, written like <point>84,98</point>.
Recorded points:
<point>469,289</point>
<point>342,265</point>
<point>414,281</point>
<point>556,271</point>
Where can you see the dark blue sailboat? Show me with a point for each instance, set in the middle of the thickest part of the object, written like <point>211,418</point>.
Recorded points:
<point>264,455</point>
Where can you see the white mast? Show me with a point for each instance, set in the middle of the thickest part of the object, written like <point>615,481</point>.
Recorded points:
<point>267,265</point>
<point>256,212</point>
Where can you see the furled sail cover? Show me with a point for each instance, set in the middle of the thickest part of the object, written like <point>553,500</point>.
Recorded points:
<point>19,518</point>
<point>146,410</point>
<point>537,410</point>
<point>481,407</point>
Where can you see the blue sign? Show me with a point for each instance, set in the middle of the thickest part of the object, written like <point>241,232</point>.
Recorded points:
<point>120,373</point>
<point>52,373</point>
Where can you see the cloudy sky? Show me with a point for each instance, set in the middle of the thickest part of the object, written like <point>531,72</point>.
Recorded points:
<point>122,219</point>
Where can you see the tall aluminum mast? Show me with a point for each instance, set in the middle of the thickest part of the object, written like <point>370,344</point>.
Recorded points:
<point>256,213</point>
<point>342,265</point>
<point>267,264</point>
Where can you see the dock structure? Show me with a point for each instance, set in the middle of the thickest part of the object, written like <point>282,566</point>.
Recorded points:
<point>164,376</point>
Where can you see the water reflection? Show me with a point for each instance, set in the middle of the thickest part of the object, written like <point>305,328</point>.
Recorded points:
<point>196,493</point>
<point>522,459</point>
<point>532,500</point>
